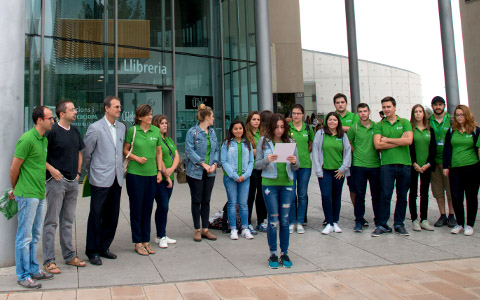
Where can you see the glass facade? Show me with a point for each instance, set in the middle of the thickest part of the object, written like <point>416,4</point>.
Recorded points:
<point>171,54</point>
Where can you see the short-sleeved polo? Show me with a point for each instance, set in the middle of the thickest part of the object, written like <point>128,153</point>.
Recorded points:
<point>349,119</point>
<point>399,155</point>
<point>145,145</point>
<point>302,138</point>
<point>365,154</point>
<point>166,156</point>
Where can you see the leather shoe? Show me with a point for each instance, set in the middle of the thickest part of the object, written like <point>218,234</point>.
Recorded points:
<point>108,254</point>
<point>95,260</point>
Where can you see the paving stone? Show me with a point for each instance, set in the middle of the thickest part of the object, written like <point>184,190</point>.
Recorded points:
<point>230,289</point>
<point>94,294</point>
<point>127,292</point>
<point>60,295</point>
<point>331,286</point>
<point>196,290</point>
<point>394,281</point>
<point>26,296</point>
<point>447,290</point>
<point>293,284</point>
<point>426,297</point>
<point>456,278</point>
<point>165,291</point>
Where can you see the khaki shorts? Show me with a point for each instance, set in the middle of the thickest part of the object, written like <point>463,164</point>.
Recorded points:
<point>440,183</point>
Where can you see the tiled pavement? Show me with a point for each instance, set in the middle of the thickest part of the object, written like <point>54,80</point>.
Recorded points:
<point>336,266</point>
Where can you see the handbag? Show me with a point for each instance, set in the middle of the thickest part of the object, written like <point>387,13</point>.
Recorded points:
<point>8,207</point>
<point>181,171</point>
<point>126,161</point>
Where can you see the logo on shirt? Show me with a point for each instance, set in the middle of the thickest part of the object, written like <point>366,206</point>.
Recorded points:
<point>400,127</point>
<point>153,138</point>
<point>468,135</point>
<point>339,139</point>
<point>305,135</point>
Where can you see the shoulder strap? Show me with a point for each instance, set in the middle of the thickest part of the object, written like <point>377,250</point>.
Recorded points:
<point>133,140</point>
<point>308,129</point>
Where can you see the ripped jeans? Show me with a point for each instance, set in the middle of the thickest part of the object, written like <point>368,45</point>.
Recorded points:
<point>278,200</point>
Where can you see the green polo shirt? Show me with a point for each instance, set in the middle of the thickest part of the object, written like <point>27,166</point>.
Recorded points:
<point>240,158</point>
<point>32,148</point>
<point>398,155</point>
<point>256,137</point>
<point>332,152</point>
<point>282,177</point>
<point>209,149</point>
<point>302,138</point>
<point>145,145</point>
<point>440,132</point>
<point>349,119</point>
<point>421,138</point>
<point>463,151</point>
<point>365,154</point>
<point>166,157</point>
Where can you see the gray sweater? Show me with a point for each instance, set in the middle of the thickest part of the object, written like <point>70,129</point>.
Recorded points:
<point>317,152</point>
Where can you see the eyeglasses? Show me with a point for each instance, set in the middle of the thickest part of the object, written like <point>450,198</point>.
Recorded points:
<point>51,119</point>
<point>459,116</point>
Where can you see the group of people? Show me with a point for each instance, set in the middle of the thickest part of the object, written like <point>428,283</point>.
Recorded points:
<point>391,153</point>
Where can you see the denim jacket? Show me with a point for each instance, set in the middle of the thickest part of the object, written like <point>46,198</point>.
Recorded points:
<point>269,169</point>
<point>229,159</point>
<point>317,152</point>
<point>196,151</point>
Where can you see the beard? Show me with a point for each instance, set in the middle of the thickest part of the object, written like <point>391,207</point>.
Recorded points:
<point>438,111</point>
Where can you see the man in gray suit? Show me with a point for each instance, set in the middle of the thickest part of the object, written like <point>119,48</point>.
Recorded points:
<point>103,162</point>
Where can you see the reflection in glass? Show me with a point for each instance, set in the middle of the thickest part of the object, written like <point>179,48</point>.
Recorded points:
<point>32,77</point>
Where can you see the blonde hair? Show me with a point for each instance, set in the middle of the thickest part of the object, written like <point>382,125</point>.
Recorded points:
<point>470,123</point>
<point>203,112</point>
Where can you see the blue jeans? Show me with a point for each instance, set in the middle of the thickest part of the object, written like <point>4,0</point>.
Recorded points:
<point>278,200</point>
<point>237,193</point>
<point>393,176</point>
<point>162,197</point>
<point>30,221</point>
<point>360,177</point>
<point>331,190</point>
<point>302,176</point>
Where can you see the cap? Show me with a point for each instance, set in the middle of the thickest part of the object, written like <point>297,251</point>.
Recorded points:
<point>438,99</point>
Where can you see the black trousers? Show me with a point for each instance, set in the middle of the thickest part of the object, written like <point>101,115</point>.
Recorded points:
<point>103,218</point>
<point>255,196</point>
<point>425,179</point>
<point>465,181</point>
<point>201,192</point>
<point>141,193</point>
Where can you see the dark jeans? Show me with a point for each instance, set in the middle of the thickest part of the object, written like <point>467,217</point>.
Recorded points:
<point>103,218</point>
<point>255,195</point>
<point>298,210</point>
<point>465,181</point>
<point>162,197</point>
<point>360,177</point>
<point>393,176</point>
<point>141,192</point>
<point>425,178</point>
<point>331,190</point>
<point>201,192</point>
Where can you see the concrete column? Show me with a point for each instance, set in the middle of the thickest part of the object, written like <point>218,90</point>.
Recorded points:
<point>264,68</point>
<point>12,52</point>
<point>449,56</point>
<point>352,54</point>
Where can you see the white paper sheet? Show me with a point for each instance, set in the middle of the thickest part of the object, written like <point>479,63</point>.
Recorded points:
<point>283,150</point>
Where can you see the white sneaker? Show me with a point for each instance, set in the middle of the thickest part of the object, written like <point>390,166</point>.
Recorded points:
<point>291,227</point>
<point>328,229</point>
<point>416,225</point>
<point>457,229</point>
<point>336,228</point>
<point>300,229</point>
<point>468,230</point>
<point>234,234</point>
<point>169,240</point>
<point>426,225</point>
<point>163,242</point>
<point>247,234</point>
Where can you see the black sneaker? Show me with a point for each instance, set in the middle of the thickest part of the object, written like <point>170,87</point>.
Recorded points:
<point>365,223</point>
<point>442,221</point>
<point>358,227</point>
<point>378,231</point>
<point>273,261</point>
<point>451,221</point>
<point>401,231</point>
<point>388,229</point>
<point>285,261</point>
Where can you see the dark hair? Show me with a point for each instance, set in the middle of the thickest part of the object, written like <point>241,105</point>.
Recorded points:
<point>230,137</point>
<point>314,116</point>
<point>249,127</point>
<point>142,111</point>
<point>61,107</point>
<point>363,105</point>
<point>288,114</point>
<point>157,119</point>
<point>425,119</point>
<point>308,120</point>
<point>299,106</point>
<point>203,112</point>
<point>265,119</point>
<point>338,96</point>
<point>389,99</point>
<point>339,125</point>
<point>38,113</point>
<point>271,129</point>
<point>108,101</point>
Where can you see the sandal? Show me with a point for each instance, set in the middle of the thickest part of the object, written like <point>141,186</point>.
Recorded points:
<point>148,248</point>
<point>140,249</point>
<point>52,268</point>
<point>77,262</point>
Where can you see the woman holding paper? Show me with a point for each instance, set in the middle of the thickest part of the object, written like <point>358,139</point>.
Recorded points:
<point>332,158</point>
<point>277,186</point>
